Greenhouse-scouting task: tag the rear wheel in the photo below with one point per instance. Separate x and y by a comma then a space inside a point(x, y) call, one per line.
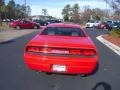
point(45, 24)
point(104, 27)
point(35, 27)
point(17, 27)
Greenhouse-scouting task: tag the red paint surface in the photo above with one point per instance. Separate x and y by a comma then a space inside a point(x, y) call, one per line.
point(24, 25)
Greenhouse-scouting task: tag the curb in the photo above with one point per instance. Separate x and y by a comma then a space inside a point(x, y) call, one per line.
point(110, 45)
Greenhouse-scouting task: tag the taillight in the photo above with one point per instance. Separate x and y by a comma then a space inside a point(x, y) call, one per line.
point(82, 52)
point(75, 52)
point(88, 52)
point(36, 49)
point(32, 49)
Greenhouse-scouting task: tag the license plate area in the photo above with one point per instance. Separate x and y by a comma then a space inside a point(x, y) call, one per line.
point(60, 52)
point(59, 68)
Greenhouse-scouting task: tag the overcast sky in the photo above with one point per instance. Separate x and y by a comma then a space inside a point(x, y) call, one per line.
point(55, 7)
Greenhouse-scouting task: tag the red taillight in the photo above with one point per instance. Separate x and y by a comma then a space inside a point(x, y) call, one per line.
point(46, 50)
point(83, 52)
point(88, 52)
point(75, 52)
point(32, 49)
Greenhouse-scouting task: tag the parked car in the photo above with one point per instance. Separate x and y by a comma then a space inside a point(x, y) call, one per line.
point(41, 22)
point(103, 25)
point(92, 23)
point(53, 21)
point(6, 20)
point(110, 22)
point(62, 48)
point(18, 24)
point(115, 25)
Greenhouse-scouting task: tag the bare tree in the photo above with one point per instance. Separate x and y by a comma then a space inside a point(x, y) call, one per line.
point(99, 14)
point(86, 14)
point(115, 4)
point(44, 12)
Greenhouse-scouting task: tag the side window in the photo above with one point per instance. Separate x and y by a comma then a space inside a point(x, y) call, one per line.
point(26, 22)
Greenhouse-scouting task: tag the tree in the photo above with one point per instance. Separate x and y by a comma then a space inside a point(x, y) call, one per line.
point(115, 4)
point(93, 14)
point(99, 14)
point(20, 11)
point(11, 7)
point(28, 10)
point(116, 8)
point(2, 2)
point(86, 14)
point(23, 11)
point(1, 9)
point(76, 13)
point(66, 12)
point(4, 12)
point(13, 10)
point(44, 12)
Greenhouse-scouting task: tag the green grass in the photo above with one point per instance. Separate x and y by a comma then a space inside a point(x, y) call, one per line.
point(115, 32)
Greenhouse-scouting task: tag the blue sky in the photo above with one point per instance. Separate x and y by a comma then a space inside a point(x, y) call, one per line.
point(55, 7)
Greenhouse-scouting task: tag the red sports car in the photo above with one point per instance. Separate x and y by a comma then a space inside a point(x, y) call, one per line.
point(62, 48)
point(18, 24)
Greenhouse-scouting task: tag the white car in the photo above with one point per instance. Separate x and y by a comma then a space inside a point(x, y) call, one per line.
point(91, 24)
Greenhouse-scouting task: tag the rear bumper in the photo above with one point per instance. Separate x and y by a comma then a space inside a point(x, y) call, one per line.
point(73, 65)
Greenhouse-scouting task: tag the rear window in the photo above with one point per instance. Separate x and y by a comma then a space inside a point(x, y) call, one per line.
point(63, 31)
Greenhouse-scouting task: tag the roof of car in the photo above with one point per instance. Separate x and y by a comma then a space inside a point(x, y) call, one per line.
point(64, 25)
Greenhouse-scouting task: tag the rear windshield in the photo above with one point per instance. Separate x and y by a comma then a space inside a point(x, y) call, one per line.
point(63, 31)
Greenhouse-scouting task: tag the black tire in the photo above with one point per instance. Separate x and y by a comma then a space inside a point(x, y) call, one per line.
point(104, 27)
point(35, 27)
point(45, 24)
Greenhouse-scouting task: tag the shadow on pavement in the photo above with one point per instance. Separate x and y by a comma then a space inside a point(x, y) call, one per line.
point(6, 42)
point(102, 86)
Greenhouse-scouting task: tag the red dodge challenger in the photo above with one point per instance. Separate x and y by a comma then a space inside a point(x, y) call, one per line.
point(62, 48)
